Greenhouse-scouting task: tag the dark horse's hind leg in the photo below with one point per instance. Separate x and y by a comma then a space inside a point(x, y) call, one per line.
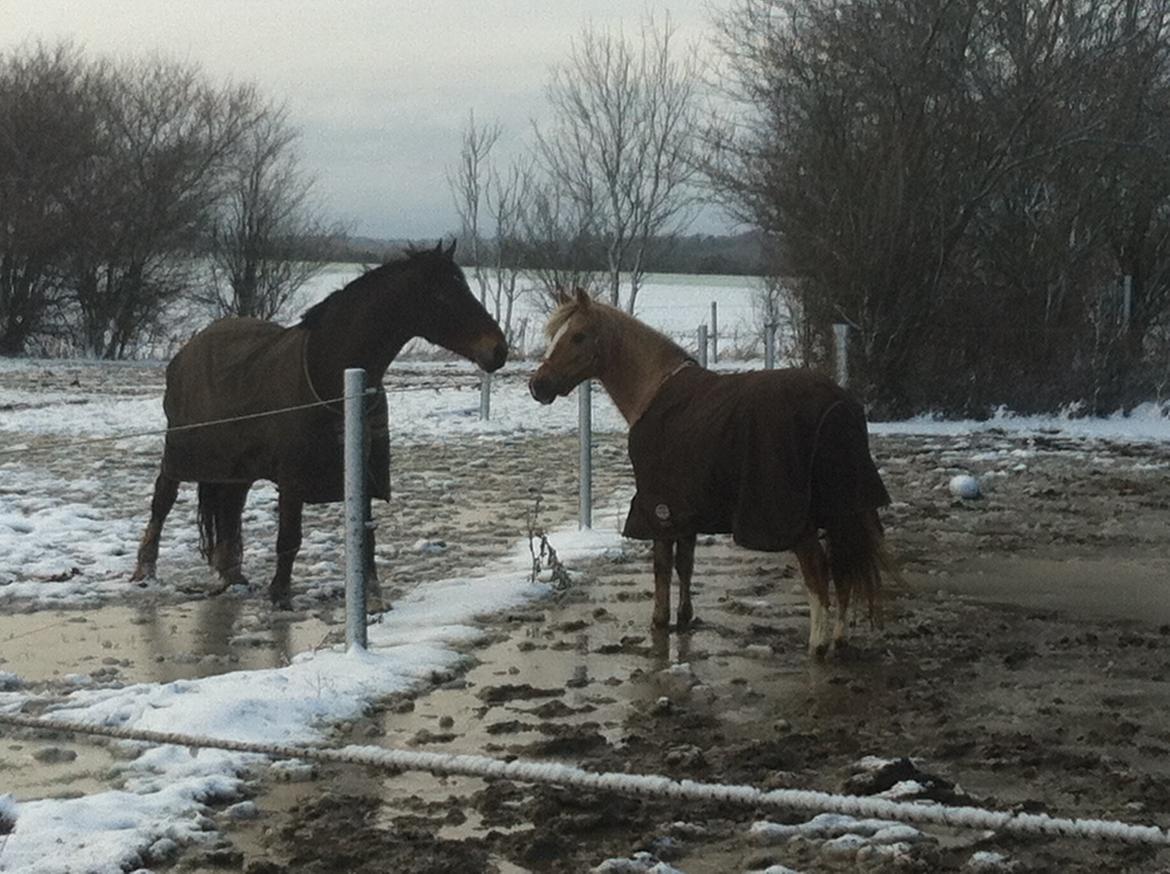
point(227, 550)
point(684, 563)
point(165, 492)
point(288, 543)
point(374, 602)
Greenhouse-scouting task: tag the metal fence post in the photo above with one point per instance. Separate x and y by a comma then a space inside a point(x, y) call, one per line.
point(714, 332)
point(841, 353)
point(585, 435)
point(355, 504)
point(485, 396)
point(702, 344)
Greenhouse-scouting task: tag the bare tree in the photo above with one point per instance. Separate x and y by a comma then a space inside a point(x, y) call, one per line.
point(492, 204)
point(888, 147)
point(468, 183)
point(139, 213)
point(267, 237)
point(620, 145)
point(48, 130)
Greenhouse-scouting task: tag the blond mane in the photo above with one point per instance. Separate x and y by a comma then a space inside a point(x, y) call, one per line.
point(613, 320)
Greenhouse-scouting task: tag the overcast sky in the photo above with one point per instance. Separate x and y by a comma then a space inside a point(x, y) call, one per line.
point(380, 90)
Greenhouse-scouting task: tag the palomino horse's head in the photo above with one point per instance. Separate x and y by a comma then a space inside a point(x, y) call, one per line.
point(450, 316)
point(575, 348)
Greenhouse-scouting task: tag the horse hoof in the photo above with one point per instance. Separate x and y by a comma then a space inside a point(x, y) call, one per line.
point(282, 602)
point(685, 620)
point(818, 651)
point(142, 573)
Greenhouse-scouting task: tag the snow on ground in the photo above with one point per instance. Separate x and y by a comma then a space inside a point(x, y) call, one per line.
point(165, 788)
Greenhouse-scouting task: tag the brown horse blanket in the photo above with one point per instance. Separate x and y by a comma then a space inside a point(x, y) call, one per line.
point(759, 455)
point(239, 367)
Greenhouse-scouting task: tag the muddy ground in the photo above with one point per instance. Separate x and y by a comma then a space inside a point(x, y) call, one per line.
point(1022, 667)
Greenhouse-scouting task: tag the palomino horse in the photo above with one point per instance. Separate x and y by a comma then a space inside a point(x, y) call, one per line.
point(772, 457)
point(268, 383)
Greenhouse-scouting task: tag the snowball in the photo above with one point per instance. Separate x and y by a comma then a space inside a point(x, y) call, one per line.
point(964, 486)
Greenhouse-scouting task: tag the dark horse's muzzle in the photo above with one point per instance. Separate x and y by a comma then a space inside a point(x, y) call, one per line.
point(489, 356)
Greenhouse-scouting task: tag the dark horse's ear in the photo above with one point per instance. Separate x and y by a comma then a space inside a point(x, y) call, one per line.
point(438, 250)
point(450, 252)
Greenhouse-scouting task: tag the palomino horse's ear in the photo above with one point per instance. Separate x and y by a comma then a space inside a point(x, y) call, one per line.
point(450, 251)
point(560, 296)
point(582, 297)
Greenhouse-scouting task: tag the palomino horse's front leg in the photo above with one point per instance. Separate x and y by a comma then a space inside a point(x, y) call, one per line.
point(663, 570)
point(165, 492)
point(288, 543)
point(684, 563)
point(814, 567)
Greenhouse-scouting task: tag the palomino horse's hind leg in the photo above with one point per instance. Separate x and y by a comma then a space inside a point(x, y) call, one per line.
point(684, 563)
point(227, 557)
point(165, 492)
point(814, 567)
point(663, 571)
point(288, 543)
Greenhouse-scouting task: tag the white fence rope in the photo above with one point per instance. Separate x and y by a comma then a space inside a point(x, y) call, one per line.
point(638, 785)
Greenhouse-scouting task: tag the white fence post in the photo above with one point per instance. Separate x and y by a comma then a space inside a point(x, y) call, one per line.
point(355, 504)
point(714, 332)
point(841, 353)
point(701, 342)
point(485, 396)
point(585, 435)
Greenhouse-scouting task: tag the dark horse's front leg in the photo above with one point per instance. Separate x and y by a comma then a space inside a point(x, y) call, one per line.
point(663, 570)
point(288, 542)
point(165, 492)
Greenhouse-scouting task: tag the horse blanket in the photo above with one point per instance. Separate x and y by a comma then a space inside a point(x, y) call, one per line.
point(759, 455)
point(241, 366)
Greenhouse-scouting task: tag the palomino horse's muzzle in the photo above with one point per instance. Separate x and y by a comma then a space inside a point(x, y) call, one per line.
point(542, 387)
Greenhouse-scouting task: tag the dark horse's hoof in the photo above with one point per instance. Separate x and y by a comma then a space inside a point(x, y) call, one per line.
point(282, 602)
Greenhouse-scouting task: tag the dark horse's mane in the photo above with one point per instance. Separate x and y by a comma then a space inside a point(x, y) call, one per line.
point(372, 277)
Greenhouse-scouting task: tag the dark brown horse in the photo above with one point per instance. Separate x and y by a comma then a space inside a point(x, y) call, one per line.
point(772, 457)
point(250, 368)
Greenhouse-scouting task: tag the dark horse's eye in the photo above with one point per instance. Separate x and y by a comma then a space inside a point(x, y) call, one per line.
point(579, 337)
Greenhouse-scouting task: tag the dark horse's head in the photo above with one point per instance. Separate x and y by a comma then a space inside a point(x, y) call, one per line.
point(423, 294)
point(449, 315)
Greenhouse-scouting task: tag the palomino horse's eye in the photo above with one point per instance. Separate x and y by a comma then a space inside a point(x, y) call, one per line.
point(579, 337)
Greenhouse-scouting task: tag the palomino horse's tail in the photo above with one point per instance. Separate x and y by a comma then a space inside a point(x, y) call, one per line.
point(857, 558)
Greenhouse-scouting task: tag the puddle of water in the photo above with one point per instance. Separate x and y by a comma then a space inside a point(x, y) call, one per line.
point(1112, 587)
point(55, 651)
point(152, 644)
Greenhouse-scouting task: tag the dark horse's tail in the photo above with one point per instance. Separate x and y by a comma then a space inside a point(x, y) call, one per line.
point(857, 558)
point(209, 504)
